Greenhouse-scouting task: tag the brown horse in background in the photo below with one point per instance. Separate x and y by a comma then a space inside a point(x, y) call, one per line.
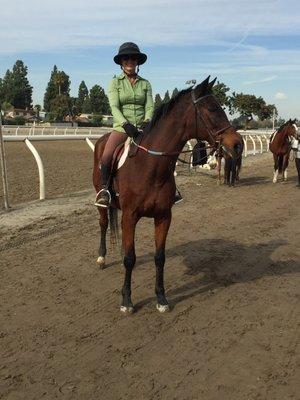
point(280, 147)
point(145, 185)
point(231, 146)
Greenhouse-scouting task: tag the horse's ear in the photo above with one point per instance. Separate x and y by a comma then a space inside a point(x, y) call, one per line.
point(211, 84)
point(201, 89)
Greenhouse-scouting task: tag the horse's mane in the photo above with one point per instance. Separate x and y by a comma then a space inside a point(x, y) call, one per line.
point(165, 108)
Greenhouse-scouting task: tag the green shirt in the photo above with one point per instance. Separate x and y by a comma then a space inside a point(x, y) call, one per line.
point(130, 103)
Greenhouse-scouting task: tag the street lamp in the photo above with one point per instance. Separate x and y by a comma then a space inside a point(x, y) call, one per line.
point(191, 82)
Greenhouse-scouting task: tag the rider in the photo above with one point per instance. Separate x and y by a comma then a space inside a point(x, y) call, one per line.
point(296, 147)
point(131, 103)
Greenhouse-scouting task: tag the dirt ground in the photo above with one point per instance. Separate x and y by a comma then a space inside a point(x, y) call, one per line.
point(232, 279)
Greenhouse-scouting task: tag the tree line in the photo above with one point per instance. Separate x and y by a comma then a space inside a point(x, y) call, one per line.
point(16, 91)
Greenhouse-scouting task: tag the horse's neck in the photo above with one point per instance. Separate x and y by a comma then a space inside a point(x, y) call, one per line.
point(167, 137)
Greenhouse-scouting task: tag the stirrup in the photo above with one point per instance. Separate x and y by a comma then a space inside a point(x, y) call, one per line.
point(178, 198)
point(106, 202)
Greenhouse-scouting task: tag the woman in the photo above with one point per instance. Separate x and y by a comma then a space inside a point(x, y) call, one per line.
point(296, 147)
point(130, 99)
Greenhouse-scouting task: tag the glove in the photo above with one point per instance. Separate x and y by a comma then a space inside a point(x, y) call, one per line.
point(130, 129)
point(145, 126)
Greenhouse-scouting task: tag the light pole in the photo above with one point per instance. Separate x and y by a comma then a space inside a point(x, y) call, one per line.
point(191, 82)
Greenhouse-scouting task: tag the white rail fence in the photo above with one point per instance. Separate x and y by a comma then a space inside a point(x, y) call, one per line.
point(255, 142)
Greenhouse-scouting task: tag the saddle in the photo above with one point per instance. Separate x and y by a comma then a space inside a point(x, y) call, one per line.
point(127, 149)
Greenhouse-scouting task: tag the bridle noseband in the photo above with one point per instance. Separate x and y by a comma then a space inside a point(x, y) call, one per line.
point(212, 134)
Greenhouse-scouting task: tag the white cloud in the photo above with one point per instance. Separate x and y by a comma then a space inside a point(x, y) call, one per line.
point(47, 25)
point(263, 80)
point(280, 96)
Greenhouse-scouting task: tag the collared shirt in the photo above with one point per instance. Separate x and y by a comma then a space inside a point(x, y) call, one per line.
point(296, 147)
point(130, 103)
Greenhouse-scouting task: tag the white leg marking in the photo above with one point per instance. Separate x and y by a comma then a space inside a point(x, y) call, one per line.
point(101, 261)
point(275, 176)
point(285, 175)
point(162, 309)
point(126, 310)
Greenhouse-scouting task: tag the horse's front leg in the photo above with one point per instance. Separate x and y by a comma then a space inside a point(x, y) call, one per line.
point(128, 231)
point(162, 225)
point(219, 165)
point(103, 222)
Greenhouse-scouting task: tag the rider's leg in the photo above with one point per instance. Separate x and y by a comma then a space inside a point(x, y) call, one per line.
point(115, 138)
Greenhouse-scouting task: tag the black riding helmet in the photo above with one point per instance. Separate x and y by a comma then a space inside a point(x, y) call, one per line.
point(130, 49)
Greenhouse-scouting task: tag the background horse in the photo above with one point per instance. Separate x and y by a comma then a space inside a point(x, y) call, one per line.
point(231, 146)
point(280, 147)
point(145, 184)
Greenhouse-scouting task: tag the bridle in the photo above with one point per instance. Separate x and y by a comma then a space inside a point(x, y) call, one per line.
point(212, 134)
point(215, 143)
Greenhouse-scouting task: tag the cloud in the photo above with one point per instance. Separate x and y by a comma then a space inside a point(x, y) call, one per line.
point(267, 79)
point(280, 96)
point(47, 25)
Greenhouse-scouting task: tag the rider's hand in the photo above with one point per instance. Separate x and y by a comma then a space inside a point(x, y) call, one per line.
point(145, 126)
point(130, 129)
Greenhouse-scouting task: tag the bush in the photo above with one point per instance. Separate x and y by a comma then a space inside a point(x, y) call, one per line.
point(15, 121)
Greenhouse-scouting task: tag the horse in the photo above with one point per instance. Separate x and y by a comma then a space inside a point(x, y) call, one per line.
point(280, 146)
point(145, 186)
point(231, 146)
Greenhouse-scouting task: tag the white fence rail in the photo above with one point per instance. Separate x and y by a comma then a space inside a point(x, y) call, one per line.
point(35, 130)
point(255, 142)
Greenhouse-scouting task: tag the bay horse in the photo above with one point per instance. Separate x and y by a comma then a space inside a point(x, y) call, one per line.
point(231, 146)
point(145, 183)
point(280, 146)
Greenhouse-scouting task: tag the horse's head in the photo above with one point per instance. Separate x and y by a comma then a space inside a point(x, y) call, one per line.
point(289, 128)
point(207, 118)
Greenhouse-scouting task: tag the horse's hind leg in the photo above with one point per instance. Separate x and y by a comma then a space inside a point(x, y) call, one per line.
point(128, 231)
point(162, 225)
point(103, 222)
point(285, 166)
point(275, 168)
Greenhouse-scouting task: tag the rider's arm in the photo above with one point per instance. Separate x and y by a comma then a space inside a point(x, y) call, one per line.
point(149, 106)
point(114, 102)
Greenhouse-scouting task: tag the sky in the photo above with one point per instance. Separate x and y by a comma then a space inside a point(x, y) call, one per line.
point(251, 46)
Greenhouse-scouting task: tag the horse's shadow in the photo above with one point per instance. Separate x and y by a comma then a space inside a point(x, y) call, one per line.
point(217, 263)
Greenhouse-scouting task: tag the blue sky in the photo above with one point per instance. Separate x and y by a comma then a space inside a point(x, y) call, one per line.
point(252, 46)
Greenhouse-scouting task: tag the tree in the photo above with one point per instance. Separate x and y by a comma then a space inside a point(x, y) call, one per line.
point(157, 101)
point(175, 93)
point(15, 88)
point(37, 108)
point(267, 111)
point(87, 106)
point(99, 101)
point(59, 83)
point(167, 97)
point(21, 89)
point(59, 108)
point(83, 93)
point(220, 92)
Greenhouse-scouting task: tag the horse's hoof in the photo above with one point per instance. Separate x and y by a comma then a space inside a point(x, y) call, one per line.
point(163, 308)
point(101, 262)
point(127, 310)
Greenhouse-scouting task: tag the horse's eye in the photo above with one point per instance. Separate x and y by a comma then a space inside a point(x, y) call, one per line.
point(213, 109)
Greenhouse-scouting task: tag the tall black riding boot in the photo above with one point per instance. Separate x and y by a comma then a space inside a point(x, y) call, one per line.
point(103, 197)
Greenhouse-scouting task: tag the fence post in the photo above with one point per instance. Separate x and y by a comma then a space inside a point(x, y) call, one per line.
point(40, 168)
point(3, 167)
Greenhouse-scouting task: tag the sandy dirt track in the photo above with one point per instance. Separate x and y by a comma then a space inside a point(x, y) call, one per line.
point(232, 279)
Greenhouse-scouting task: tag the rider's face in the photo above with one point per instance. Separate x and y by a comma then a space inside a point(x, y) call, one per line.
point(129, 64)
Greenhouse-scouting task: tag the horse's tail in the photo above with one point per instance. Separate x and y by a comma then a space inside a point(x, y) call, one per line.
point(280, 163)
point(114, 225)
